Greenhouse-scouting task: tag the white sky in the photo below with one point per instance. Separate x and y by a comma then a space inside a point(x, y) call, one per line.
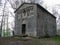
point(52, 2)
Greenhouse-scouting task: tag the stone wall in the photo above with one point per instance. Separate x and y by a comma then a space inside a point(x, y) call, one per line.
point(29, 20)
point(46, 23)
point(38, 21)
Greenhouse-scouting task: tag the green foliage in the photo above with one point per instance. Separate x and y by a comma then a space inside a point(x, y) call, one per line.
point(6, 33)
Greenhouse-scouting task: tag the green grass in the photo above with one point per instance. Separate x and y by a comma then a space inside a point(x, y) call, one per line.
point(57, 38)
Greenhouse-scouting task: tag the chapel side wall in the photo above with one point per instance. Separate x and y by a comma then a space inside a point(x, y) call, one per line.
point(46, 23)
point(51, 25)
point(40, 23)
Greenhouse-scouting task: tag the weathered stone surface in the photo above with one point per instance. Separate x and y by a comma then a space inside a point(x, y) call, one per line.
point(38, 21)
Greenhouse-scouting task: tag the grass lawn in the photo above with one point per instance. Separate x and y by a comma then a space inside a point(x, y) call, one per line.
point(57, 38)
point(30, 41)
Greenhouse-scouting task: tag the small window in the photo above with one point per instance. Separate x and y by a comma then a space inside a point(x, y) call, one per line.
point(31, 8)
point(28, 12)
point(31, 12)
point(24, 12)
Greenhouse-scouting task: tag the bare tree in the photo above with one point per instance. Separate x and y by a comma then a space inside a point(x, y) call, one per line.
point(32, 1)
point(0, 2)
point(3, 19)
point(41, 2)
point(17, 3)
point(14, 3)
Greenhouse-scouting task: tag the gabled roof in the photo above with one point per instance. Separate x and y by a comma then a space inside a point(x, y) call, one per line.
point(23, 4)
point(37, 5)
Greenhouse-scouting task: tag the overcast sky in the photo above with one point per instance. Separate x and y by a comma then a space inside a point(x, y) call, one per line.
point(52, 2)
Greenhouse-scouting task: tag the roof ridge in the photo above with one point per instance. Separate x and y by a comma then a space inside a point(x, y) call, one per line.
point(37, 5)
